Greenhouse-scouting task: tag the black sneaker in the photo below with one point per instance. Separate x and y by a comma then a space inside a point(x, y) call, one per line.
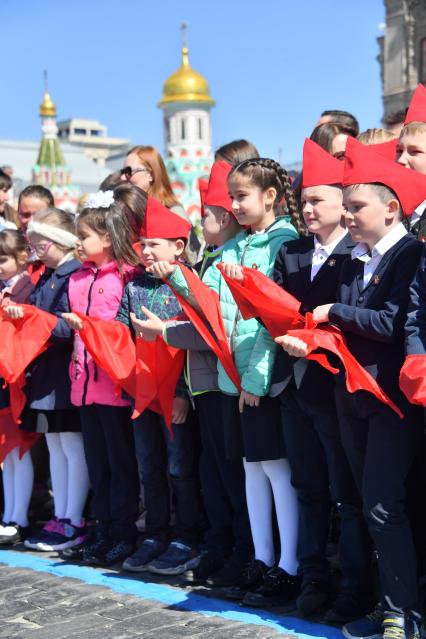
point(119, 551)
point(12, 533)
point(401, 626)
point(250, 579)
point(209, 564)
point(313, 598)
point(368, 627)
point(348, 606)
point(230, 574)
point(94, 553)
point(277, 588)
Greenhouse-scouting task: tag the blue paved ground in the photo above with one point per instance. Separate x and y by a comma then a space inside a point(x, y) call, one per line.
point(43, 597)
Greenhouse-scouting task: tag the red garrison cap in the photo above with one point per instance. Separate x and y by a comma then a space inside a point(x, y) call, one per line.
point(364, 166)
point(385, 149)
point(217, 191)
point(417, 109)
point(161, 222)
point(203, 184)
point(319, 166)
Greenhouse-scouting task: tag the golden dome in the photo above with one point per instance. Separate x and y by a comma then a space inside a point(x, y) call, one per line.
point(47, 107)
point(186, 85)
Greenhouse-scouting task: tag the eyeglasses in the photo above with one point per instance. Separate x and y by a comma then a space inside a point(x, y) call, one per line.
point(41, 248)
point(128, 171)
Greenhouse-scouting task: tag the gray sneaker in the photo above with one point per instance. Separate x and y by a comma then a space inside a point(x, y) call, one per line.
point(177, 558)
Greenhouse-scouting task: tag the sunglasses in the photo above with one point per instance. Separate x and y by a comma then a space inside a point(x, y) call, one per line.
point(128, 171)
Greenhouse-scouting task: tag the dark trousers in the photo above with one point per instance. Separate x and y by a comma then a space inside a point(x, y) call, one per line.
point(222, 483)
point(381, 449)
point(161, 458)
point(321, 476)
point(110, 454)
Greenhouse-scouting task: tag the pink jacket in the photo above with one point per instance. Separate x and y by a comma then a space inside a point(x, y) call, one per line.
point(96, 292)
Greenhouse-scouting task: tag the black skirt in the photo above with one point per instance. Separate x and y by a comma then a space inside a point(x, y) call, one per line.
point(256, 433)
point(51, 421)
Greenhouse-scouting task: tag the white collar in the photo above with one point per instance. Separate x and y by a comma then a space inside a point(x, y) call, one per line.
point(417, 213)
point(362, 252)
point(327, 248)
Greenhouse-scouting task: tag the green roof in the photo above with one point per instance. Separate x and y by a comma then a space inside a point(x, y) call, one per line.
point(50, 154)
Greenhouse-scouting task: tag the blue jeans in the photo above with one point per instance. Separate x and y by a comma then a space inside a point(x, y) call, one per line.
point(161, 459)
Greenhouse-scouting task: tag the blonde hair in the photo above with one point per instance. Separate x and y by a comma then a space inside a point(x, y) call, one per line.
point(414, 128)
point(376, 136)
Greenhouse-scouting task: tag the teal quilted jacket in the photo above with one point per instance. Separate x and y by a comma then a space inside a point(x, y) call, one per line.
point(252, 346)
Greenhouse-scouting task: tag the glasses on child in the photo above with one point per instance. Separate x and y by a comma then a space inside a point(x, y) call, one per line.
point(41, 248)
point(128, 171)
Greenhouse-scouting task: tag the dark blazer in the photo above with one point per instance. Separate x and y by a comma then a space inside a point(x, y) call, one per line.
point(292, 271)
point(415, 327)
point(373, 318)
point(48, 382)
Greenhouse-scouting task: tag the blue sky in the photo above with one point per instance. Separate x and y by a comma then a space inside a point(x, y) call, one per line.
point(272, 65)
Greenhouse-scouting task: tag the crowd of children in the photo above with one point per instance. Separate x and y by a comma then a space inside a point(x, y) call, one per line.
point(269, 462)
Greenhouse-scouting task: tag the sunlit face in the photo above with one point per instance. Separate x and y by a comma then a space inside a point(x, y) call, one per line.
point(367, 217)
point(28, 207)
point(8, 267)
point(411, 151)
point(91, 245)
point(159, 249)
point(212, 223)
point(249, 202)
point(338, 146)
point(4, 198)
point(322, 208)
point(47, 251)
point(141, 175)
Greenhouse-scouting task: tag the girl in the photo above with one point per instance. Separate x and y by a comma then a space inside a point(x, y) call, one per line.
point(18, 473)
point(49, 409)
point(104, 243)
point(251, 421)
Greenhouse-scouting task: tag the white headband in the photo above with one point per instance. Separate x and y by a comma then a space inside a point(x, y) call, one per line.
point(60, 236)
point(100, 200)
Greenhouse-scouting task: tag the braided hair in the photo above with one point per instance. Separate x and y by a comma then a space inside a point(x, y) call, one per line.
point(266, 173)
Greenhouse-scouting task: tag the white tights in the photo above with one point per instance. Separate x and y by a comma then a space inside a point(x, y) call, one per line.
point(68, 472)
point(18, 478)
point(264, 480)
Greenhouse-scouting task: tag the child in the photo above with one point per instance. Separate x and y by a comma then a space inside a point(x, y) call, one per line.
point(371, 312)
point(17, 473)
point(163, 237)
point(49, 409)
point(222, 480)
point(309, 269)
point(251, 421)
point(104, 243)
point(7, 214)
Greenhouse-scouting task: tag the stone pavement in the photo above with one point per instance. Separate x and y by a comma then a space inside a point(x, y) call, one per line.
point(42, 597)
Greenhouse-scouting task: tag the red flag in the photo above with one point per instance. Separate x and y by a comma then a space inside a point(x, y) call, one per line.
point(21, 341)
point(215, 336)
point(261, 297)
point(412, 379)
point(12, 436)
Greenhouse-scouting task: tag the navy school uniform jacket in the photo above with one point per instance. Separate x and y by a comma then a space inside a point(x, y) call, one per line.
point(292, 271)
point(48, 381)
point(372, 318)
point(415, 328)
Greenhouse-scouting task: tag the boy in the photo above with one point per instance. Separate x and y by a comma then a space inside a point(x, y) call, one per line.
point(371, 312)
point(309, 269)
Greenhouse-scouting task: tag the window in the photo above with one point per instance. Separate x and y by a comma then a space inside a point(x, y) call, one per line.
point(80, 132)
point(182, 130)
point(422, 65)
point(95, 132)
point(200, 128)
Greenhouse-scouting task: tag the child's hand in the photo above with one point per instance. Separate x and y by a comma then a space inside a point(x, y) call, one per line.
point(320, 313)
point(150, 328)
point(14, 312)
point(162, 269)
point(293, 345)
point(73, 321)
point(234, 271)
point(247, 399)
point(180, 410)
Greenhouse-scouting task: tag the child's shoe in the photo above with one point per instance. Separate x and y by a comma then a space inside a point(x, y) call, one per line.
point(314, 598)
point(230, 573)
point(348, 606)
point(177, 558)
point(72, 535)
point(209, 563)
point(401, 626)
point(277, 588)
point(52, 526)
point(250, 579)
point(94, 552)
point(149, 550)
point(12, 533)
point(119, 551)
point(368, 627)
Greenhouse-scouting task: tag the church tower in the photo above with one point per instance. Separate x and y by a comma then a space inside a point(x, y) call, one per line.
point(186, 105)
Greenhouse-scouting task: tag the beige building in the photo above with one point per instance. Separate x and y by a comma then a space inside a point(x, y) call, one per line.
point(92, 137)
point(402, 55)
